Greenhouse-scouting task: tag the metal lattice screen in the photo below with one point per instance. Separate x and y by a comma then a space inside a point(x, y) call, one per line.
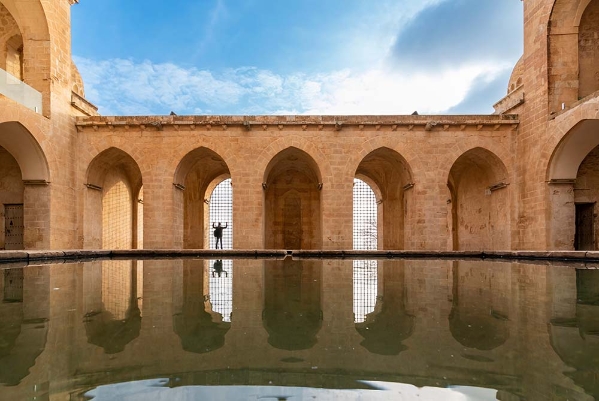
point(221, 287)
point(221, 211)
point(365, 238)
point(221, 271)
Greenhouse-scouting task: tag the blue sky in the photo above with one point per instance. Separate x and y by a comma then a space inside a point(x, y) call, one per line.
point(296, 57)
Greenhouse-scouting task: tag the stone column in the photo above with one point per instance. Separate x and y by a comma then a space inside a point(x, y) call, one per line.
point(36, 215)
point(561, 215)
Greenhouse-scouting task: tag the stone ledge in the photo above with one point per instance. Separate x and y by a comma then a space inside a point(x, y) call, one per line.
point(66, 256)
point(258, 123)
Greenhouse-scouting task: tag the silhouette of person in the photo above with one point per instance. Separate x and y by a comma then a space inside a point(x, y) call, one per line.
point(218, 234)
point(218, 269)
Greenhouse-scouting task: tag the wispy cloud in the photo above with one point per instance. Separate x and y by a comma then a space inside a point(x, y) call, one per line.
point(398, 59)
point(126, 87)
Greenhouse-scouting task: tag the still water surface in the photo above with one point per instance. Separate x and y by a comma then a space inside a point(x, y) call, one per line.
point(293, 330)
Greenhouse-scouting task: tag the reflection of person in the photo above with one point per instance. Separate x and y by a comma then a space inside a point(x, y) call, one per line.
point(218, 234)
point(218, 269)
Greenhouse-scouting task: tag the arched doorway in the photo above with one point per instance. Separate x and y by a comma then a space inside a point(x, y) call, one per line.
point(292, 202)
point(24, 190)
point(113, 208)
point(573, 190)
point(478, 183)
point(199, 173)
point(389, 176)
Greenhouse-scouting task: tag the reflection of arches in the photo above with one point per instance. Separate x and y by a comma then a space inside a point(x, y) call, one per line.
point(112, 295)
point(23, 320)
point(112, 207)
point(199, 170)
point(292, 201)
point(25, 175)
point(389, 325)
point(575, 339)
point(479, 315)
point(571, 169)
point(391, 175)
point(200, 329)
point(292, 313)
point(480, 202)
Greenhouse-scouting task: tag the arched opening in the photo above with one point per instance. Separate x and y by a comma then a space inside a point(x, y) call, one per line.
point(113, 293)
point(573, 190)
point(220, 212)
point(25, 53)
point(366, 237)
point(292, 202)
point(478, 184)
point(197, 175)
point(113, 211)
point(14, 56)
point(24, 190)
point(573, 45)
point(388, 173)
point(387, 324)
point(588, 50)
point(203, 308)
point(11, 202)
point(480, 313)
point(24, 313)
point(292, 313)
point(11, 45)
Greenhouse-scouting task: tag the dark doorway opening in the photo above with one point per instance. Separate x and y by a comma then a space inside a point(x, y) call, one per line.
point(584, 239)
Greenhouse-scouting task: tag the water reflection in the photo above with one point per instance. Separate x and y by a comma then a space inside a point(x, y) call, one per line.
point(526, 332)
point(113, 315)
point(292, 312)
point(479, 314)
point(575, 336)
point(389, 324)
point(201, 328)
point(23, 320)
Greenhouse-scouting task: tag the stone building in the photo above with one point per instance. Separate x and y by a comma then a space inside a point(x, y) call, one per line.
point(526, 177)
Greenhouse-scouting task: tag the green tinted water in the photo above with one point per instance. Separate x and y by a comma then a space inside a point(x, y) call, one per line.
point(326, 330)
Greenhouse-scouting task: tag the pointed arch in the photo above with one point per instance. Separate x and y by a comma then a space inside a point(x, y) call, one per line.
point(480, 199)
point(392, 177)
point(292, 201)
point(196, 175)
point(111, 210)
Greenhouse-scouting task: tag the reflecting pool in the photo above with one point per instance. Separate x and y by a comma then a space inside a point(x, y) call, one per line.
point(292, 329)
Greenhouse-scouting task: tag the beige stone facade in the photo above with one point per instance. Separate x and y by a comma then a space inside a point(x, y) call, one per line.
point(523, 178)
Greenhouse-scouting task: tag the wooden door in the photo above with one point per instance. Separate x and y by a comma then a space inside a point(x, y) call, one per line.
point(13, 227)
point(584, 239)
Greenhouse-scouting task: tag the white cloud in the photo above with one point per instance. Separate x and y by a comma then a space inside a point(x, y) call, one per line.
point(126, 87)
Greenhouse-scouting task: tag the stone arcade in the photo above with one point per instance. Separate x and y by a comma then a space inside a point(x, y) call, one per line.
point(526, 177)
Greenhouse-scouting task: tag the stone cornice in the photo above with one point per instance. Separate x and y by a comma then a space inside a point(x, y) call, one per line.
point(305, 123)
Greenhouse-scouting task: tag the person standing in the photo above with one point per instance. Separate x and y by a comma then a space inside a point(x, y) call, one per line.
point(218, 234)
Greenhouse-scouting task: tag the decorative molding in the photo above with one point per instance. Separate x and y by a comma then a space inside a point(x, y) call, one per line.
point(93, 187)
point(35, 182)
